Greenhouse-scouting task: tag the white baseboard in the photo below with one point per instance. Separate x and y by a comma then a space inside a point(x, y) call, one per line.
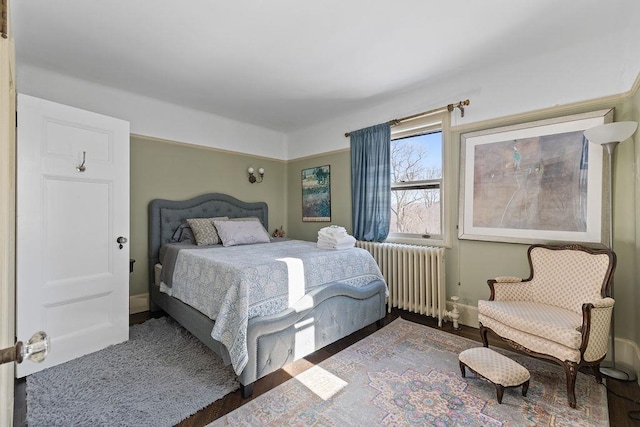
point(627, 351)
point(138, 303)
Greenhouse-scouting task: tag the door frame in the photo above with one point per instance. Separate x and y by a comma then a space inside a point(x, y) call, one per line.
point(7, 217)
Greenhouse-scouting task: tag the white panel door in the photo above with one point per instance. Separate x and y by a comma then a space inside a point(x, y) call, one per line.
point(72, 278)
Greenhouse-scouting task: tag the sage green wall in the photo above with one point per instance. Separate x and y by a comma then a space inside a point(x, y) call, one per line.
point(477, 261)
point(340, 162)
point(470, 263)
point(168, 170)
point(161, 169)
point(632, 112)
point(626, 241)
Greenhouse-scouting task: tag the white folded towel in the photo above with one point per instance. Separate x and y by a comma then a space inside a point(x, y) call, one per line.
point(335, 247)
point(344, 242)
point(347, 239)
point(333, 231)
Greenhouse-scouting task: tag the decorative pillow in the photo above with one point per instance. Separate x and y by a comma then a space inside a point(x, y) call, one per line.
point(241, 232)
point(204, 231)
point(183, 234)
point(246, 218)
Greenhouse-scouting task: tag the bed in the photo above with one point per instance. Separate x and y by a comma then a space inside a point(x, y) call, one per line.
point(263, 337)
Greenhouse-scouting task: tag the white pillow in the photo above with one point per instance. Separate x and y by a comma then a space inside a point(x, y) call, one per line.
point(241, 232)
point(244, 218)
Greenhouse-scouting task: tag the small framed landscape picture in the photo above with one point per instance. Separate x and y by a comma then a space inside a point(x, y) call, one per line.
point(316, 194)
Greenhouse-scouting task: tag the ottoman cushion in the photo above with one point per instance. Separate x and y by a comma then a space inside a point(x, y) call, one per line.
point(495, 367)
point(500, 370)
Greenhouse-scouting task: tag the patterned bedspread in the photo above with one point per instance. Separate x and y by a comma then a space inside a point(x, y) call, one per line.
point(234, 284)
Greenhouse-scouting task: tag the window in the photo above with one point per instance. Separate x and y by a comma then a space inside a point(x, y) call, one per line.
point(417, 175)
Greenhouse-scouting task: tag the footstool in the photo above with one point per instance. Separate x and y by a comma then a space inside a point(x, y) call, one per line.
point(500, 370)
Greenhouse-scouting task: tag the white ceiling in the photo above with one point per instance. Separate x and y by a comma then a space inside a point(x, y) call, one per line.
point(288, 64)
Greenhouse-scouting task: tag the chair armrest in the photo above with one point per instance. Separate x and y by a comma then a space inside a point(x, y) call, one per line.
point(596, 321)
point(508, 279)
point(509, 289)
point(603, 303)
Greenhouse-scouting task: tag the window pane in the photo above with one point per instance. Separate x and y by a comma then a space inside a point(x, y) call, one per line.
point(416, 176)
point(416, 158)
point(415, 211)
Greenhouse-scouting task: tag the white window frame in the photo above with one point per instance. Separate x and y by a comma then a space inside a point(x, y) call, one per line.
point(420, 126)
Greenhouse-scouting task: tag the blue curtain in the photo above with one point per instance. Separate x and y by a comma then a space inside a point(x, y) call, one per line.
point(371, 182)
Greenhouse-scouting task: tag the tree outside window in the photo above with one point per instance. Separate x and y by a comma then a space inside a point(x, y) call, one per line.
point(416, 176)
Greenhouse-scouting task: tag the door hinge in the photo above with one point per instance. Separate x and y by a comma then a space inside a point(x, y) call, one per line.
point(4, 19)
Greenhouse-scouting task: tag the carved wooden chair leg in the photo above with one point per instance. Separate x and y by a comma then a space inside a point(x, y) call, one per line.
point(483, 335)
point(596, 372)
point(499, 392)
point(572, 372)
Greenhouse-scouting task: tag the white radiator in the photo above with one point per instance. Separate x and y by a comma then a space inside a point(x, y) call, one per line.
point(414, 275)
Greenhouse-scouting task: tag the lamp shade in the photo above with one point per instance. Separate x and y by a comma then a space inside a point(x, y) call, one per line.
point(611, 132)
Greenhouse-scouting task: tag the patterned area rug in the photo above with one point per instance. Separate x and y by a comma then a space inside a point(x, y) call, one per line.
point(408, 374)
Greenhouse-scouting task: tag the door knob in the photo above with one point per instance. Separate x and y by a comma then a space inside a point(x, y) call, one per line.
point(121, 241)
point(36, 349)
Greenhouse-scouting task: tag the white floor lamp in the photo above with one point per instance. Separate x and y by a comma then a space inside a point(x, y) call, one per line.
point(609, 136)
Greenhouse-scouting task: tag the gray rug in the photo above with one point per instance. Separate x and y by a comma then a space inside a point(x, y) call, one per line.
point(159, 377)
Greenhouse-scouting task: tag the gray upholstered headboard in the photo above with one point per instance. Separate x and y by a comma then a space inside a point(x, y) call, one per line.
point(165, 216)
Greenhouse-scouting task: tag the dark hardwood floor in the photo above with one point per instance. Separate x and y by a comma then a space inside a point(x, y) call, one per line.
point(623, 397)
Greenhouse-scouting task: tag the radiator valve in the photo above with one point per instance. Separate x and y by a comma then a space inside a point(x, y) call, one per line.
point(455, 313)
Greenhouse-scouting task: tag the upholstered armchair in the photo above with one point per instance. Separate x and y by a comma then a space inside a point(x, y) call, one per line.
point(562, 312)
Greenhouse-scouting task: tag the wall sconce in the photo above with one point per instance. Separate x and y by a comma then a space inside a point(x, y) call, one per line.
point(252, 177)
